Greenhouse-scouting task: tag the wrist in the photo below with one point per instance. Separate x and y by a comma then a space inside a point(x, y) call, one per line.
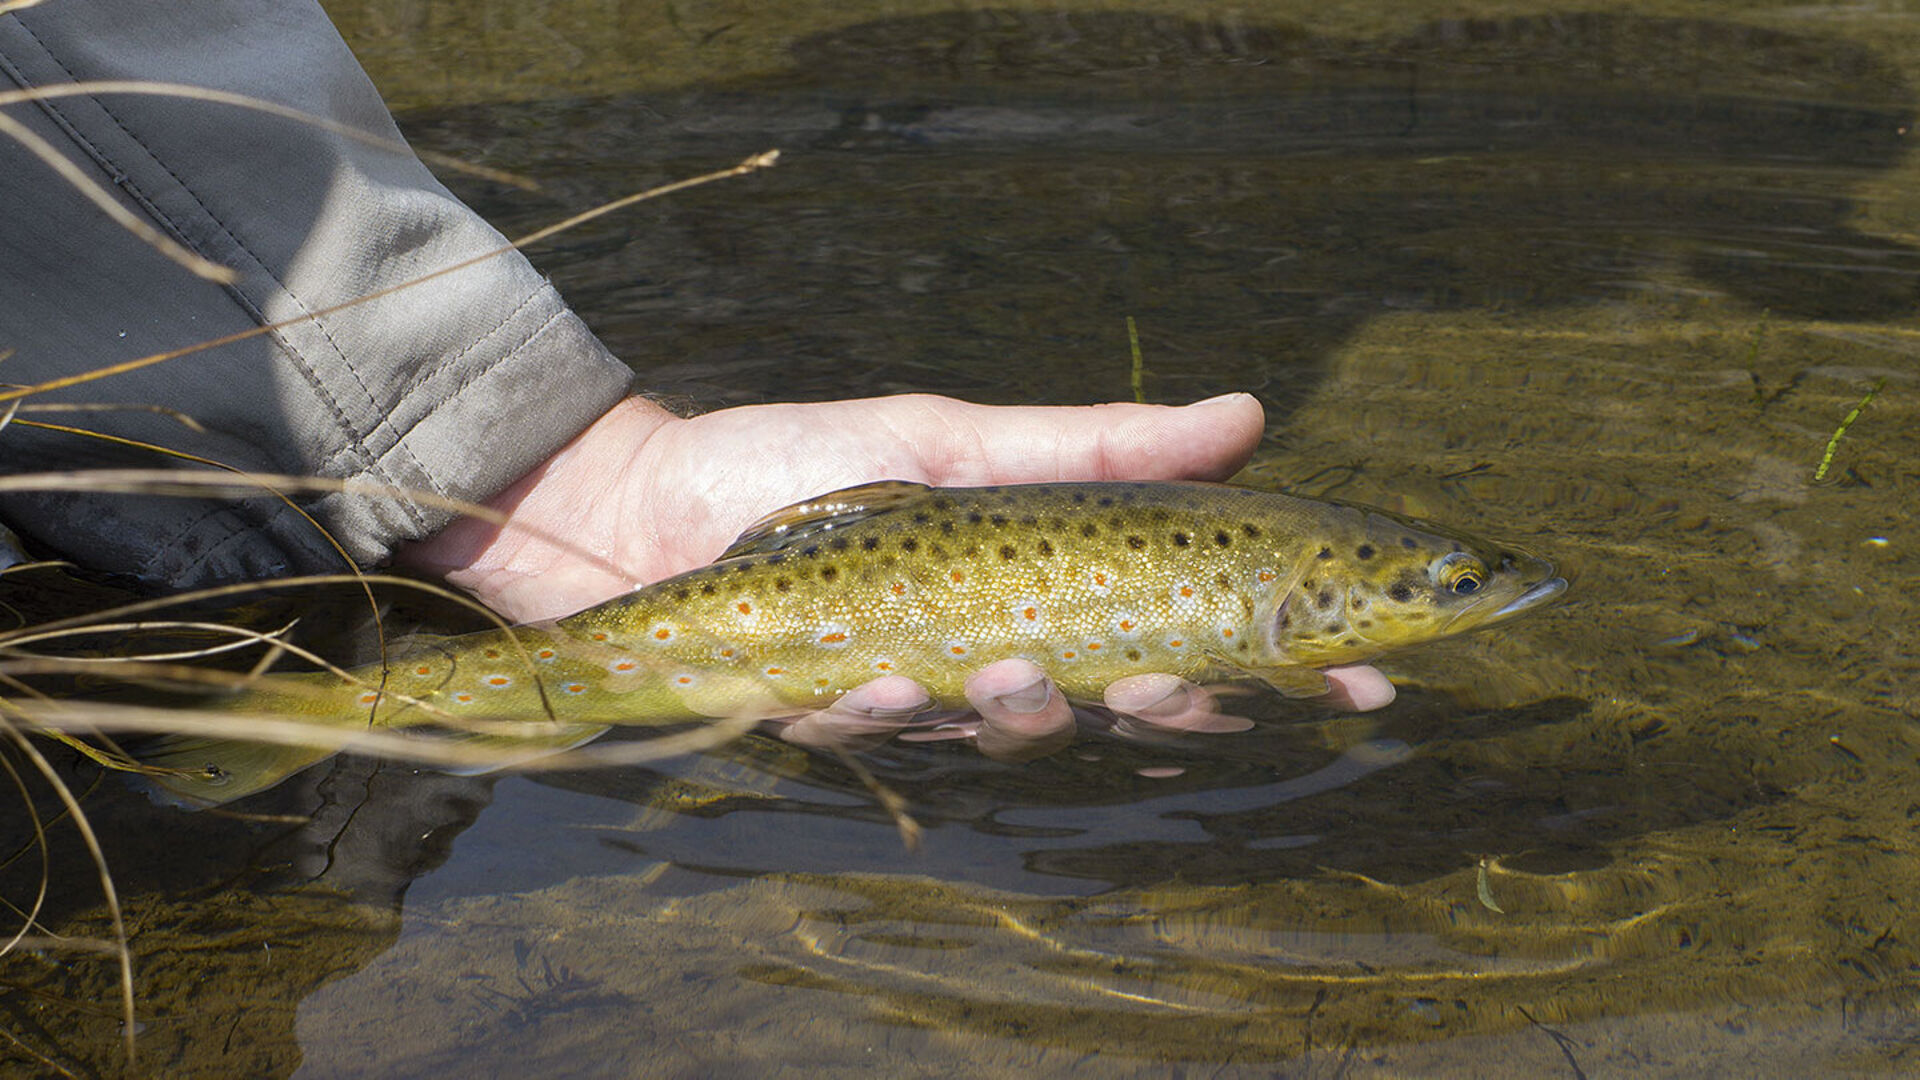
point(561, 546)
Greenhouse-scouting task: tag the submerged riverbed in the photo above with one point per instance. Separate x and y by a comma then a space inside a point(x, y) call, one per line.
point(1602, 285)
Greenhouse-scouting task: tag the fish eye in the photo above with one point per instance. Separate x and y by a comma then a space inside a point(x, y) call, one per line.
point(1458, 573)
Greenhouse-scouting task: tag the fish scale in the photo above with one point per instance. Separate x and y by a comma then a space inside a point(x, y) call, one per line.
point(1092, 582)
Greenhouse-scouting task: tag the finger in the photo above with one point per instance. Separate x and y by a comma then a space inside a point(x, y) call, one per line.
point(1022, 715)
point(1358, 688)
point(964, 444)
point(863, 718)
point(1167, 703)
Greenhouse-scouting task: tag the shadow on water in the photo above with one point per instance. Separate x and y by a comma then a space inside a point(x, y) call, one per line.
point(1613, 813)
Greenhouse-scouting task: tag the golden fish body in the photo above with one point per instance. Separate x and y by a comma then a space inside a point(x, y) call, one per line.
point(1089, 581)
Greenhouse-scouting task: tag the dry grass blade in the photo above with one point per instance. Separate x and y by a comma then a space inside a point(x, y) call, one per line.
point(175, 415)
point(752, 164)
point(122, 954)
point(96, 716)
point(243, 638)
point(30, 917)
point(108, 205)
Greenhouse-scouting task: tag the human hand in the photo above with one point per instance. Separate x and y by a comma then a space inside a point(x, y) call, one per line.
point(643, 495)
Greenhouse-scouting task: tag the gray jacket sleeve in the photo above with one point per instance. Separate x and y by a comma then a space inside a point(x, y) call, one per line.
point(456, 387)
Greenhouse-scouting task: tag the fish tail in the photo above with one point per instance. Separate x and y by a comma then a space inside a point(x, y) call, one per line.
point(203, 771)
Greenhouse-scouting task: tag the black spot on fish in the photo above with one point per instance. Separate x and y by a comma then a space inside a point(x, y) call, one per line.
point(1457, 547)
point(1079, 496)
point(1181, 539)
point(1364, 623)
point(1348, 641)
point(1222, 539)
point(922, 518)
point(1133, 654)
point(997, 520)
point(1324, 600)
point(887, 560)
point(1310, 584)
point(1325, 553)
point(1089, 529)
point(1045, 549)
point(682, 594)
point(1364, 551)
point(946, 528)
point(1223, 581)
point(870, 543)
point(1400, 592)
point(1409, 542)
point(973, 551)
point(937, 551)
point(1009, 498)
point(909, 544)
point(1056, 524)
point(1250, 528)
point(828, 573)
point(1106, 500)
point(707, 589)
point(1243, 646)
point(1008, 551)
point(1159, 514)
point(782, 584)
point(743, 566)
point(976, 517)
point(1029, 520)
point(943, 503)
point(1136, 542)
point(810, 551)
point(1359, 604)
point(839, 543)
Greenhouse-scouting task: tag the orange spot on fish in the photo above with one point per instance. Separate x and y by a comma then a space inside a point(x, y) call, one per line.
point(957, 650)
point(1176, 643)
point(1093, 646)
point(575, 688)
point(662, 634)
point(423, 670)
point(1099, 579)
point(1126, 624)
point(1032, 614)
point(744, 608)
point(833, 638)
point(1265, 575)
point(499, 680)
point(958, 577)
point(726, 654)
point(776, 671)
point(492, 654)
point(622, 666)
point(883, 665)
point(599, 635)
point(899, 589)
point(1069, 655)
point(1186, 590)
point(684, 680)
point(463, 697)
point(1227, 632)
point(823, 683)
point(545, 654)
point(369, 698)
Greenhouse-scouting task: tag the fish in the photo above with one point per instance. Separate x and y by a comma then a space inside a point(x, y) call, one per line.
point(1091, 581)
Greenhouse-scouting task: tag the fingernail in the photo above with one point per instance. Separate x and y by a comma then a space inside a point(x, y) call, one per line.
point(1217, 399)
point(1030, 698)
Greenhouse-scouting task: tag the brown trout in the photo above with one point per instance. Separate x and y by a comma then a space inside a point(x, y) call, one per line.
point(1090, 581)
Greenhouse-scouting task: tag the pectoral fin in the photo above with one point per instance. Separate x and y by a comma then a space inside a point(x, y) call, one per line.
point(835, 510)
point(1295, 682)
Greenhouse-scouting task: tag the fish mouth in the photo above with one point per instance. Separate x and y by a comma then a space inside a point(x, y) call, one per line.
point(1540, 593)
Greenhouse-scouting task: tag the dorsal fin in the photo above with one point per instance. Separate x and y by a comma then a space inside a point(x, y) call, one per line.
point(824, 513)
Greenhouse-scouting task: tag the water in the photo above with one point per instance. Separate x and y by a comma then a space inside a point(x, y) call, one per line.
point(1602, 285)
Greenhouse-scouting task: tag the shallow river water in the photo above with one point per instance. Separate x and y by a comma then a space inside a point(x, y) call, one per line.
point(1602, 285)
